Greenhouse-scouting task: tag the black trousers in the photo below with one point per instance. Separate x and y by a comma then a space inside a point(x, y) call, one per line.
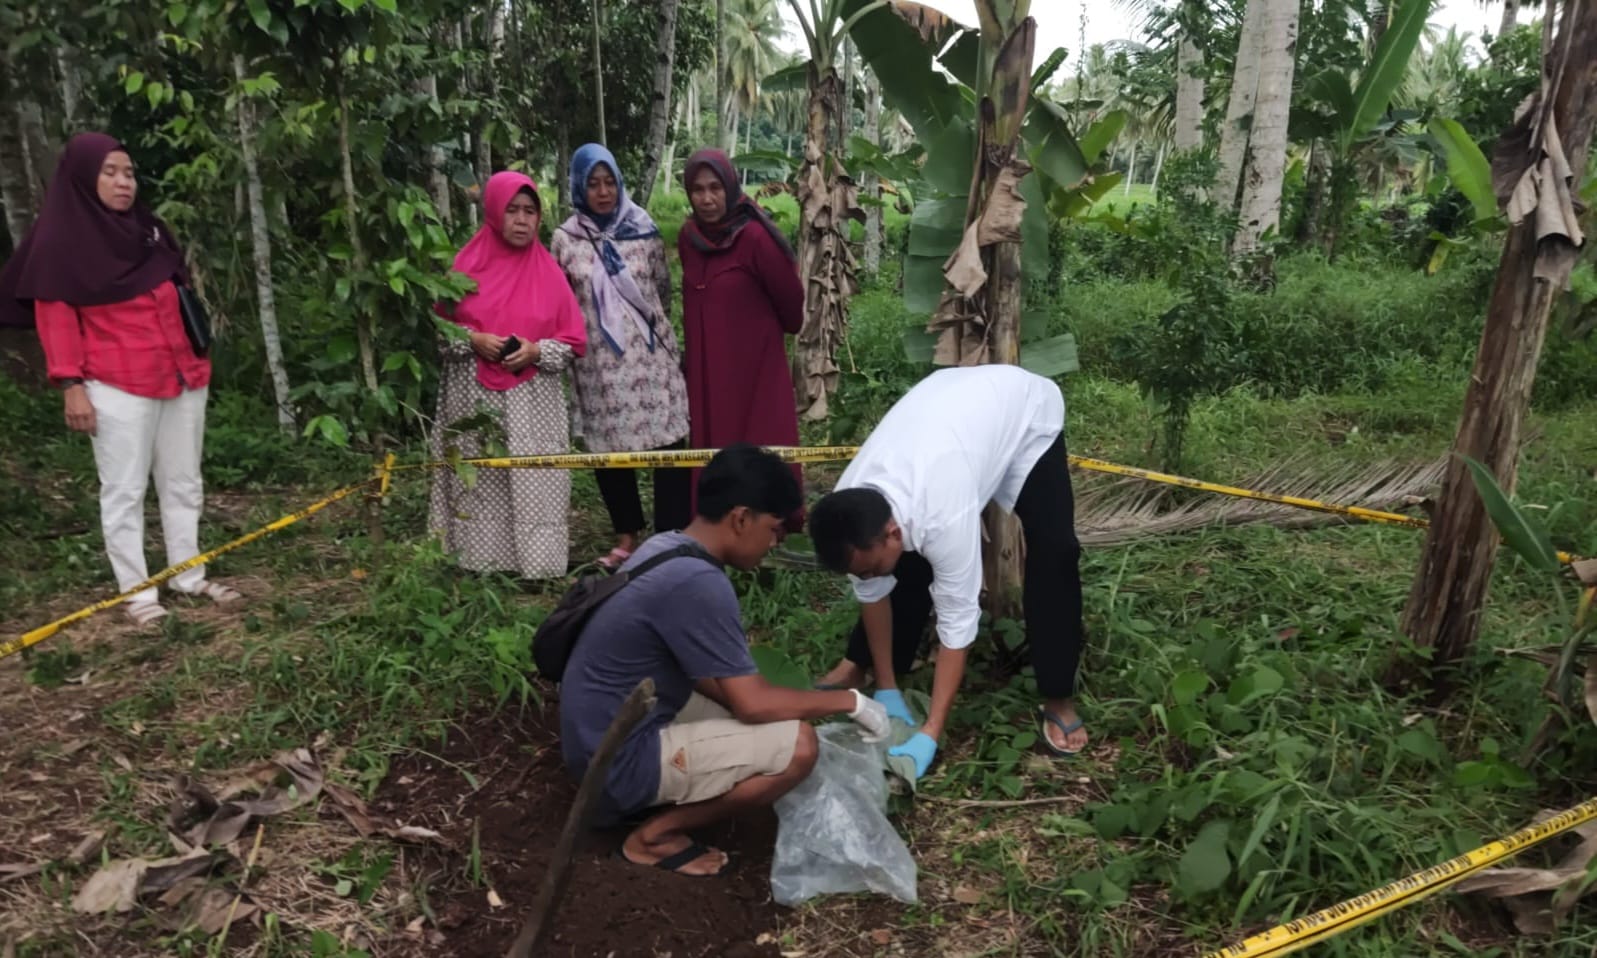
point(672, 498)
point(1051, 595)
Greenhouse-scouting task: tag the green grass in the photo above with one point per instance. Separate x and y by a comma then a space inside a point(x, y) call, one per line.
point(1120, 200)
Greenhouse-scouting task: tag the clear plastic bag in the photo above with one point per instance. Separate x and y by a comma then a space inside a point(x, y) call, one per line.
point(833, 835)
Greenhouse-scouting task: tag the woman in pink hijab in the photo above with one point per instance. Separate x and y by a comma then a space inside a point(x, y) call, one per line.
point(523, 329)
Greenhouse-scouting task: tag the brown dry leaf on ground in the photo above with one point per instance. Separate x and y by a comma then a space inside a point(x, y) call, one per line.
point(225, 817)
point(1540, 897)
point(113, 888)
point(118, 885)
point(967, 895)
point(367, 823)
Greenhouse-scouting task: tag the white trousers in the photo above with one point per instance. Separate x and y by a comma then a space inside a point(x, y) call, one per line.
point(135, 437)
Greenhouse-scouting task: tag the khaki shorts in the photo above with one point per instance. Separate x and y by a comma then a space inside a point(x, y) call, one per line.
point(705, 752)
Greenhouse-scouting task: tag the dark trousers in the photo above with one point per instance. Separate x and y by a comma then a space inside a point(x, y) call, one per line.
point(672, 496)
point(1051, 594)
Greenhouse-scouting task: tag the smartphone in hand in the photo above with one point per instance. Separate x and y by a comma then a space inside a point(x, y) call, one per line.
point(511, 345)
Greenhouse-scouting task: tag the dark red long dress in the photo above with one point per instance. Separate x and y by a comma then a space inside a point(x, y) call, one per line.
point(737, 306)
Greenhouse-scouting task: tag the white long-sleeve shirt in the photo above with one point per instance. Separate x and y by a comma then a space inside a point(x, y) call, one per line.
point(959, 439)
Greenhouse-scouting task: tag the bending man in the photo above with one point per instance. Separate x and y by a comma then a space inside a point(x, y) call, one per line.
point(905, 524)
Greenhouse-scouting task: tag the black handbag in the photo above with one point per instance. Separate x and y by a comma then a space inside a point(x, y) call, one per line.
point(195, 322)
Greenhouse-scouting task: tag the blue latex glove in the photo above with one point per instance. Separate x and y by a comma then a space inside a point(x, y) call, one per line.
point(922, 748)
point(897, 708)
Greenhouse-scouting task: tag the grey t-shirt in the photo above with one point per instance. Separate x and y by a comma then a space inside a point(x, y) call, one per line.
point(677, 624)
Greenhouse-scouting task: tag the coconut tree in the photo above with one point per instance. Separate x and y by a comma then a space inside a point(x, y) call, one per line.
point(1182, 27)
point(752, 29)
point(1431, 84)
point(1143, 92)
point(1253, 141)
point(660, 106)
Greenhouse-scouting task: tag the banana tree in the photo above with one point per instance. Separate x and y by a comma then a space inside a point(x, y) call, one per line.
point(976, 106)
point(1344, 113)
point(828, 200)
point(970, 93)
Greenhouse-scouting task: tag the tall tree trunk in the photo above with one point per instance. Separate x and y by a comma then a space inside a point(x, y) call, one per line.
point(1378, 24)
point(261, 242)
point(27, 150)
point(684, 112)
point(1239, 111)
point(978, 319)
point(1510, 17)
point(1315, 186)
point(562, 163)
point(1260, 209)
point(873, 182)
point(1158, 166)
point(1189, 96)
point(66, 61)
point(1131, 167)
point(437, 176)
point(827, 203)
point(493, 40)
point(598, 71)
point(16, 189)
point(660, 104)
point(15, 195)
point(1003, 554)
point(364, 323)
point(668, 157)
point(1444, 604)
point(844, 115)
point(721, 105)
point(38, 150)
point(695, 114)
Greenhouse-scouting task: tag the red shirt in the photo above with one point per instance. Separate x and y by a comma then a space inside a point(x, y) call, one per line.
point(137, 345)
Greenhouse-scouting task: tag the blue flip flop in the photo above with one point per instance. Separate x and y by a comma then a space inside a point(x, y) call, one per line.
point(1043, 715)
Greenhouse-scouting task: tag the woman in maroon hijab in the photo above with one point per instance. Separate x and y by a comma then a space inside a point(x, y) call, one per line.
point(741, 295)
point(96, 274)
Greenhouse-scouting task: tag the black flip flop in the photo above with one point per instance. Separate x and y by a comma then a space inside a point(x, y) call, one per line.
point(1046, 718)
point(674, 863)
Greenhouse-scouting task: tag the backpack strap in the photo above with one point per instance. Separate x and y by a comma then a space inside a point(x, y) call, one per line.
point(675, 552)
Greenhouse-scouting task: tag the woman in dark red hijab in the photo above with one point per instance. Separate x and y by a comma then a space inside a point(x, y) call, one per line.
point(741, 295)
point(97, 276)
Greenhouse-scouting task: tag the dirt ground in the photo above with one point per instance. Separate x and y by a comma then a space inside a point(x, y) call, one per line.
point(613, 907)
point(495, 784)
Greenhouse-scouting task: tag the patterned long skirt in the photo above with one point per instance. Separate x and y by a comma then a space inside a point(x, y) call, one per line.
point(510, 520)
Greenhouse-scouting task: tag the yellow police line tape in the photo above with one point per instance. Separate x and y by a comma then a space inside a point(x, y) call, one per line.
point(1302, 932)
point(383, 474)
point(1313, 505)
point(38, 635)
point(698, 457)
point(654, 459)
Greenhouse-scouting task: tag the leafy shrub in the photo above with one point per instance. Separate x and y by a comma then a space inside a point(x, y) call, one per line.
point(875, 369)
point(1325, 327)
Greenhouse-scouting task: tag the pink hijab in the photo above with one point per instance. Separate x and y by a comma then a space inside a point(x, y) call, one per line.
point(520, 292)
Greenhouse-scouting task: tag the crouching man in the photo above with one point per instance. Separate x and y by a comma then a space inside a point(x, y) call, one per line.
point(720, 739)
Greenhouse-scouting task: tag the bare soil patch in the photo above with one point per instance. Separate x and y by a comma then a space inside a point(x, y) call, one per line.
point(613, 908)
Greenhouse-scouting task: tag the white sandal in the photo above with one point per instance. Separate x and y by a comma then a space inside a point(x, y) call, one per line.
point(144, 613)
point(217, 592)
